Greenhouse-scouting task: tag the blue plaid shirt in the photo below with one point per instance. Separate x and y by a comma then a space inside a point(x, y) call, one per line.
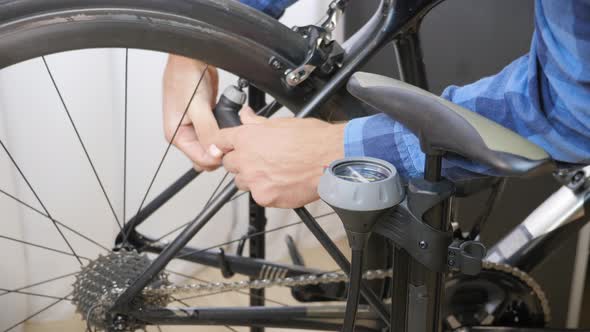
point(543, 95)
point(274, 8)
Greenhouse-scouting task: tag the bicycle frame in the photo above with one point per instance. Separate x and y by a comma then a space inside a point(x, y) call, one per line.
point(394, 21)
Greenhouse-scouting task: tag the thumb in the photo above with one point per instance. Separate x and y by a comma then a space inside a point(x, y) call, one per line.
point(247, 116)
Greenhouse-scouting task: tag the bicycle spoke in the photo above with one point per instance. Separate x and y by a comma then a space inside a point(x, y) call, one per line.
point(40, 283)
point(22, 174)
point(220, 292)
point(206, 204)
point(33, 294)
point(269, 109)
point(125, 145)
point(172, 139)
point(106, 196)
point(216, 189)
point(54, 220)
point(41, 247)
point(38, 312)
point(252, 235)
point(238, 196)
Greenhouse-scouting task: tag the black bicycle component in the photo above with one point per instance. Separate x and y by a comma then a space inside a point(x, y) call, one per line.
point(405, 226)
point(313, 293)
point(423, 195)
point(466, 257)
point(323, 57)
point(123, 238)
point(574, 178)
point(424, 243)
point(224, 265)
point(492, 202)
point(229, 105)
point(417, 303)
point(322, 318)
point(169, 253)
point(324, 54)
point(320, 293)
point(242, 243)
point(238, 264)
point(490, 298)
point(341, 260)
point(353, 297)
point(257, 216)
point(294, 253)
point(474, 185)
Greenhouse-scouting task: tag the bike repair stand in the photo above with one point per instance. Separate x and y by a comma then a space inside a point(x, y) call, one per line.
point(424, 249)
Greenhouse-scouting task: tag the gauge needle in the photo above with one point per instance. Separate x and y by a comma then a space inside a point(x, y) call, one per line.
point(358, 175)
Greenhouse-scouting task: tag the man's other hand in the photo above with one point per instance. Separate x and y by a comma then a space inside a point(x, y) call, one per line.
point(280, 161)
point(199, 125)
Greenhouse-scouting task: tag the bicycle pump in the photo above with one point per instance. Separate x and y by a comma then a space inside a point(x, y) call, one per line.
point(360, 190)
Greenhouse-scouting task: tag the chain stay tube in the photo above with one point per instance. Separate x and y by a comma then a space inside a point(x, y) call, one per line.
point(257, 268)
point(326, 318)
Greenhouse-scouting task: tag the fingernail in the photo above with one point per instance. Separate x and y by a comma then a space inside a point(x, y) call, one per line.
point(214, 151)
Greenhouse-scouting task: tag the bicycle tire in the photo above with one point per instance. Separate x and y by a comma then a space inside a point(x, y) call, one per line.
point(237, 38)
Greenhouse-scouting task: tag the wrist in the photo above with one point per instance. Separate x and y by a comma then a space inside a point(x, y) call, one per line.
point(333, 141)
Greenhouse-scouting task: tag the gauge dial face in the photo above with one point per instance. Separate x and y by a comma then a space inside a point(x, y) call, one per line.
point(361, 172)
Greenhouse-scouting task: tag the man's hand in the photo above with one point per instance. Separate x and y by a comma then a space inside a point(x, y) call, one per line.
point(280, 161)
point(199, 124)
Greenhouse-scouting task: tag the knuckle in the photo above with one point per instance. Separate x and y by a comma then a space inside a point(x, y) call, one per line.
point(265, 195)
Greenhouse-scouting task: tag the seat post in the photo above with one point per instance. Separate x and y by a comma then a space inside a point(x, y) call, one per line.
point(417, 292)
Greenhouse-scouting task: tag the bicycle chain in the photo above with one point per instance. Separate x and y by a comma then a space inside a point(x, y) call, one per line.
point(528, 280)
point(332, 277)
point(105, 279)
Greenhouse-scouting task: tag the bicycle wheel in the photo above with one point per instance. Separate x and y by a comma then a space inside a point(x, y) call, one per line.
point(223, 33)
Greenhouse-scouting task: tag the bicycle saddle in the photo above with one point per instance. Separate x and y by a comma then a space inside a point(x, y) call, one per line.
point(444, 127)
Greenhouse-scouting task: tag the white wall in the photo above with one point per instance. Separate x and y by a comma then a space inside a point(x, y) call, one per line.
point(35, 128)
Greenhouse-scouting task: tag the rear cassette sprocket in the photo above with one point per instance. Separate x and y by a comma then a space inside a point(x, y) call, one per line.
point(99, 283)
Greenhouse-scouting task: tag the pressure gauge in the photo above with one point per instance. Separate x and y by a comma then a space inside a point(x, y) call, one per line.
point(361, 184)
point(361, 171)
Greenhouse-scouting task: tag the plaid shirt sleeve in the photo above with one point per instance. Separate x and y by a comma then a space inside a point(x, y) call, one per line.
point(544, 96)
point(274, 8)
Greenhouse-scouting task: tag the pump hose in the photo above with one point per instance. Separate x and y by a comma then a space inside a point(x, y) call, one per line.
point(356, 273)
